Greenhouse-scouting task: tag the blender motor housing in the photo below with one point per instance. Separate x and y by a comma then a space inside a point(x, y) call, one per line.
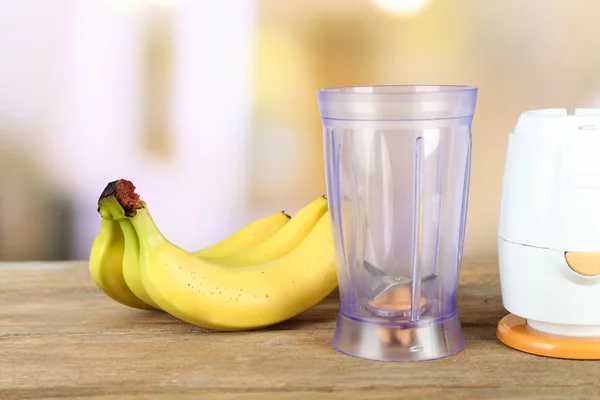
point(549, 234)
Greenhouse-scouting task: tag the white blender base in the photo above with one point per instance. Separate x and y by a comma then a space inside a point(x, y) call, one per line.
point(566, 330)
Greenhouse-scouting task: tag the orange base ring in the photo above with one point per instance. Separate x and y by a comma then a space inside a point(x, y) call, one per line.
point(514, 332)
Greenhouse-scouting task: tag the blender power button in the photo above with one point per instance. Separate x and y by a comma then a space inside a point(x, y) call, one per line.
point(584, 263)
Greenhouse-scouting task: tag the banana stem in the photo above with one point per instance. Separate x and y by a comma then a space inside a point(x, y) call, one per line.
point(123, 191)
point(119, 201)
point(147, 231)
point(128, 230)
point(109, 208)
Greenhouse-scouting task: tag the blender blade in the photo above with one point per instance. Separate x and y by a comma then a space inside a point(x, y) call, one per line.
point(393, 288)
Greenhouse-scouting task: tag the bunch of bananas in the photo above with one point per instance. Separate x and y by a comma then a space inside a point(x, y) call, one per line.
point(269, 271)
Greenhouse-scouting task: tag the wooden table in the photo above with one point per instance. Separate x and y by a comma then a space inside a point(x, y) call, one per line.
point(60, 338)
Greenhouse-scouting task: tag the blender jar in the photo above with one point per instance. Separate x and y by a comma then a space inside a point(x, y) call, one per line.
point(397, 171)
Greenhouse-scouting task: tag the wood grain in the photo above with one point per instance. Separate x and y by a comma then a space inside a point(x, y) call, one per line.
point(61, 338)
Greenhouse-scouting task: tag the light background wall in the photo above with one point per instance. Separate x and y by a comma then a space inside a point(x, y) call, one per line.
point(210, 107)
point(521, 54)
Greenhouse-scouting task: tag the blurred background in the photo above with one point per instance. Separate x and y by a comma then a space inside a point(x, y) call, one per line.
point(215, 101)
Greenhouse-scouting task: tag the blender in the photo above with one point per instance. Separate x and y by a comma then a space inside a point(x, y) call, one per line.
point(549, 235)
point(397, 172)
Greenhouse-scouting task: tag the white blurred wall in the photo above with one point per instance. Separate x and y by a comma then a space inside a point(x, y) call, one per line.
point(71, 72)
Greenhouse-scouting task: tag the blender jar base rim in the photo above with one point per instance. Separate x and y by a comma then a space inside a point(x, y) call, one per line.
point(387, 343)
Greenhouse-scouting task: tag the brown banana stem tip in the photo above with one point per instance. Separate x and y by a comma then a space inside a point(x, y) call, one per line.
point(124, 191)
point(286, 214)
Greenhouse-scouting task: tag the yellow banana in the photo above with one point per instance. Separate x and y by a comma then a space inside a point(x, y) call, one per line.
point(283, 241)
point(131, 265)
point(106, 259)
point(131, 271)
point(256, 232)
point(229, 298)
point(247, 237)
point(124, 253)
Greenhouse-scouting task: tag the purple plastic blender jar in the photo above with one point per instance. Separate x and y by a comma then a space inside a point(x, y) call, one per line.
point(398, 162)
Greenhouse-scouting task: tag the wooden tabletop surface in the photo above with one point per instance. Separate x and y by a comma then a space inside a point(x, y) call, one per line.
point(61, 338)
